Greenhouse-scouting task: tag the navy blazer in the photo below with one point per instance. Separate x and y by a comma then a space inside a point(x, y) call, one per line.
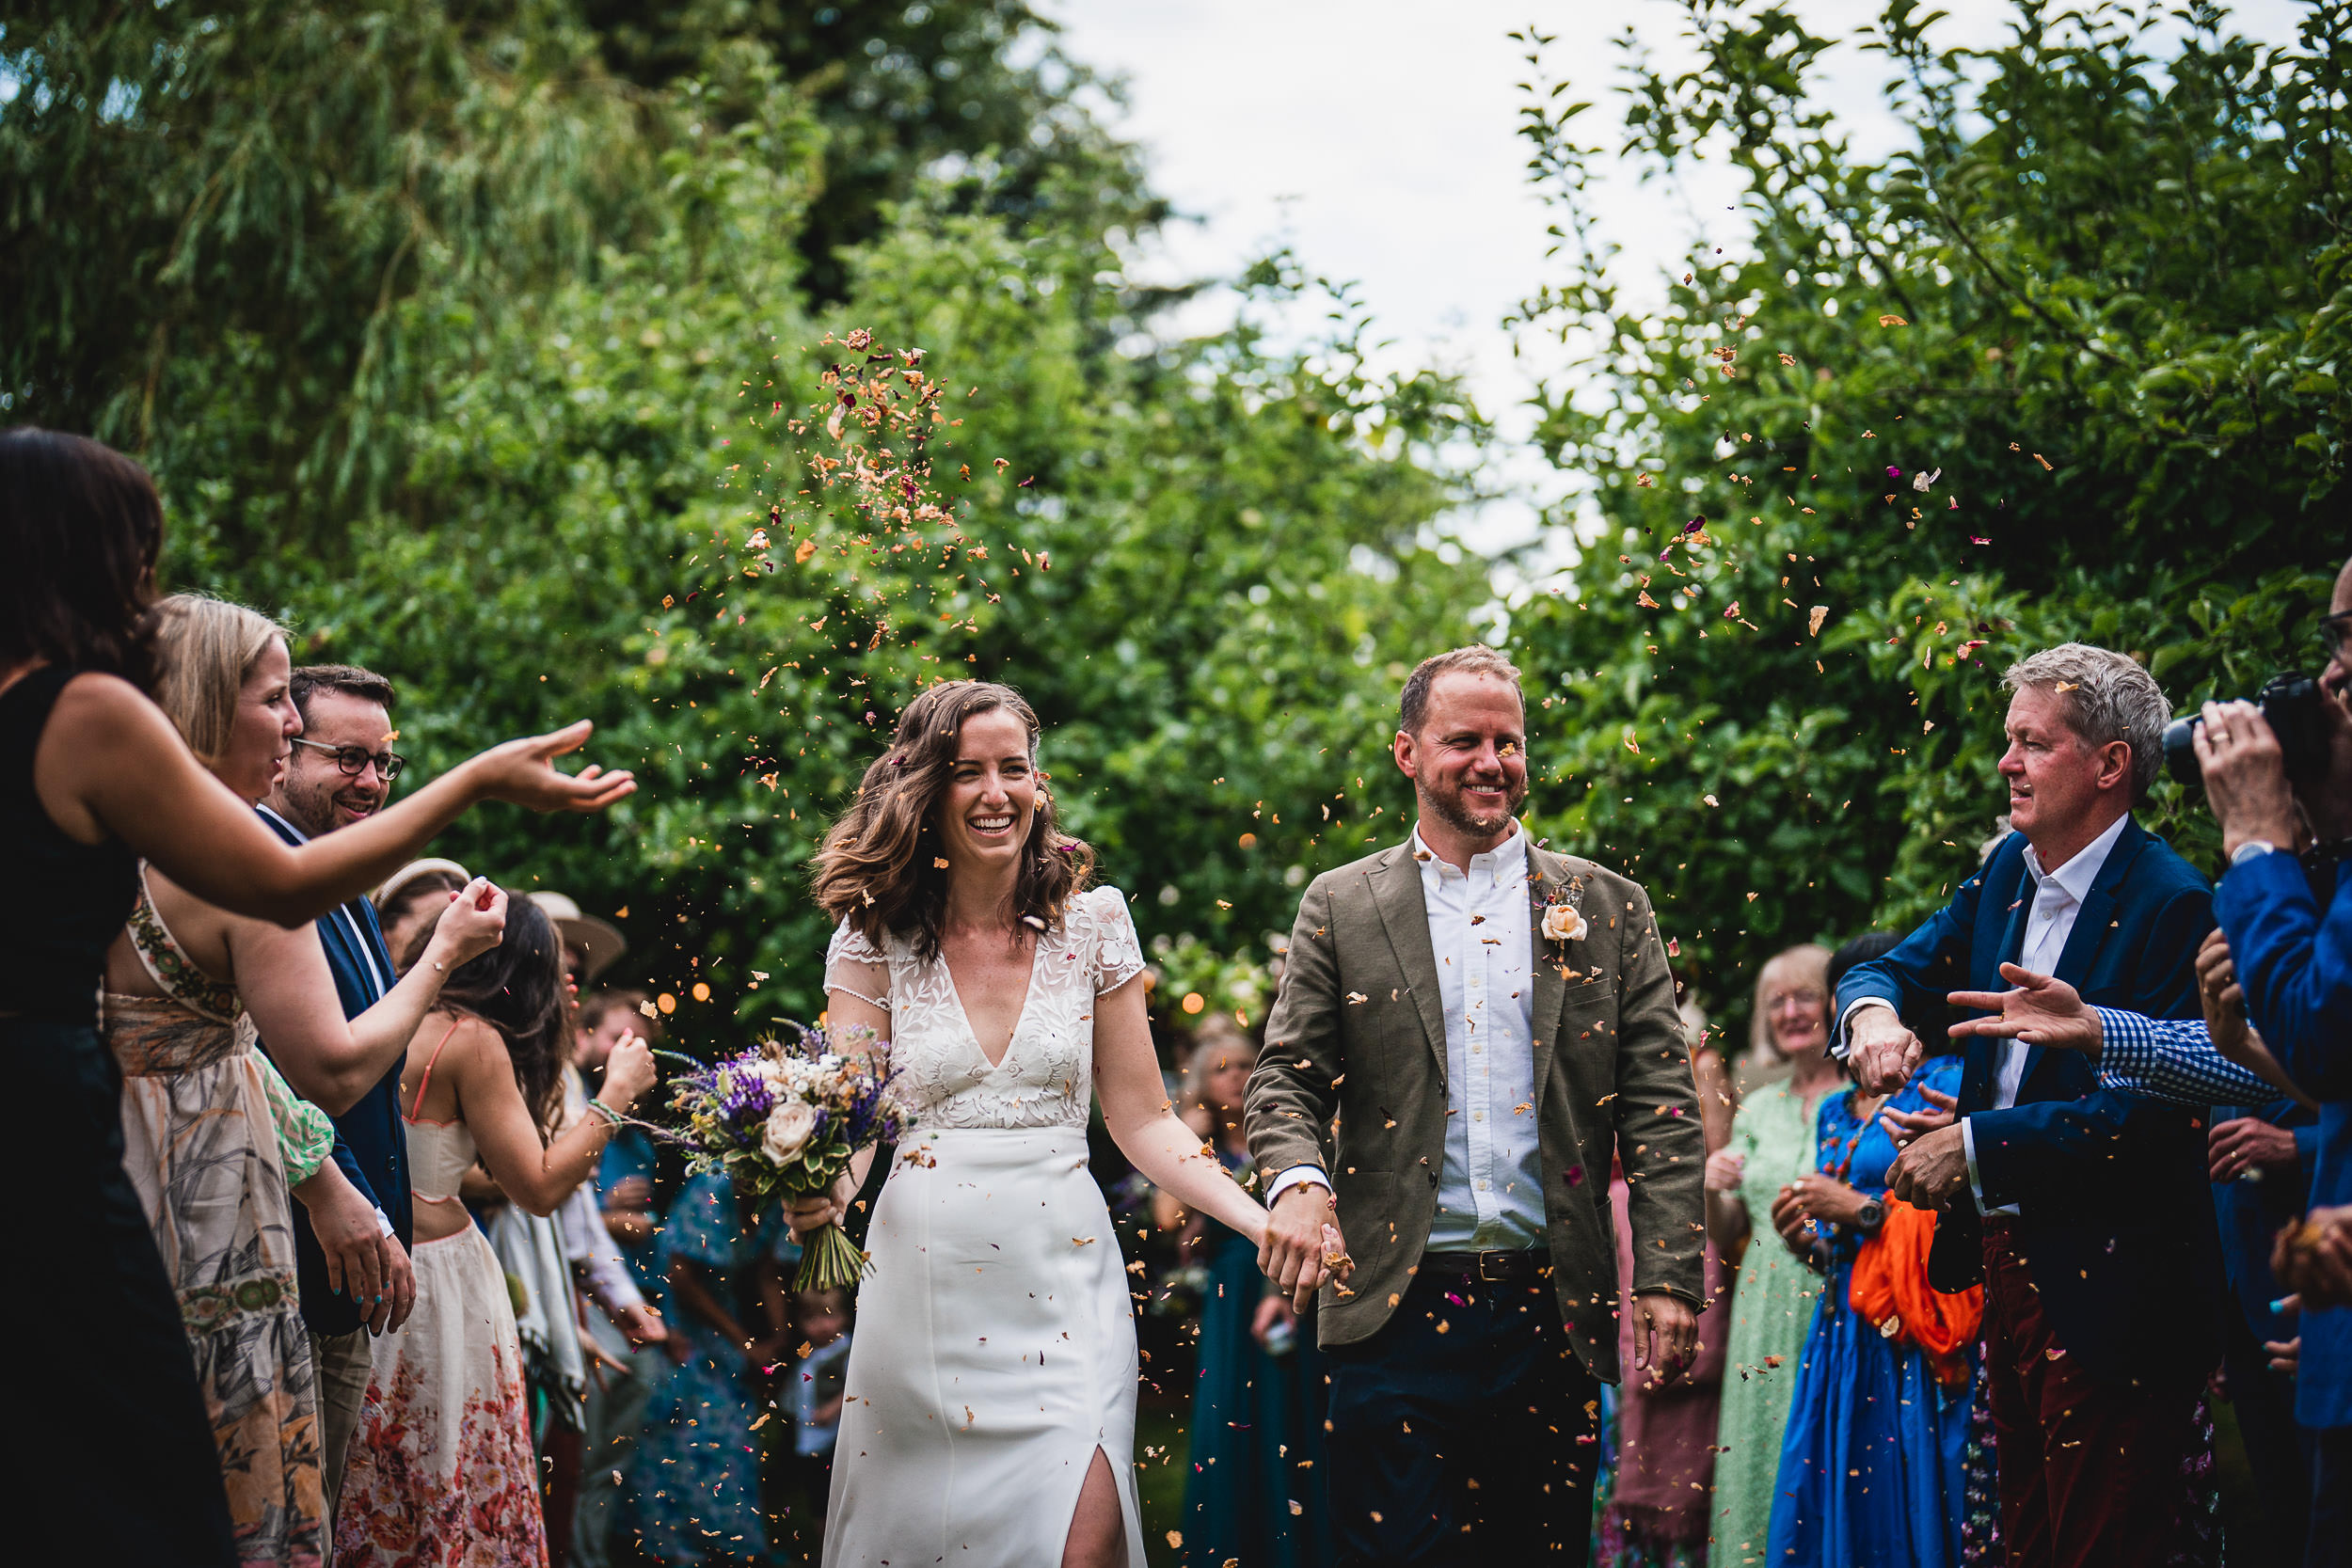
point(2116, 1215)
point(371, 1145)
point(2290, 934)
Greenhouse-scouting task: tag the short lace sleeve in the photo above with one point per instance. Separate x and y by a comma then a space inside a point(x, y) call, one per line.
point(855, 965)
point(1117, 955)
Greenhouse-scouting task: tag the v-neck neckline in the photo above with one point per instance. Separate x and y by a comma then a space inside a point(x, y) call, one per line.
point(1029, 995)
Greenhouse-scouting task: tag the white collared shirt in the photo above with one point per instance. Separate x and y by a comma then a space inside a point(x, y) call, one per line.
point(1491, 1191)
point(2058, 899)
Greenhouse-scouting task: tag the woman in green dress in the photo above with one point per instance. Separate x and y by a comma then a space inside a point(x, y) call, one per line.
point(1771, 1307)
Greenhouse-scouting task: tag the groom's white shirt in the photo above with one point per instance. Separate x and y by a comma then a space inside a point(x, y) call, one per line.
point(1490, 1195)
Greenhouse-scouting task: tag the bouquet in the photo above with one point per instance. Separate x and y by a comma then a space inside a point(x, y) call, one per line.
point(780, 1121)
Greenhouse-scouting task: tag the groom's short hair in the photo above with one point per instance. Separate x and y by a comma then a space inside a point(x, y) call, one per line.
point(1476, 660)
point(2109, 698)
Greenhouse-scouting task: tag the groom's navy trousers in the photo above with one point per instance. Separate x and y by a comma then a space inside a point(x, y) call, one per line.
point(1462, 1432)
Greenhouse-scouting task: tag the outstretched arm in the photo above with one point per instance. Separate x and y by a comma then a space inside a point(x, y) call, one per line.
point(110, 765)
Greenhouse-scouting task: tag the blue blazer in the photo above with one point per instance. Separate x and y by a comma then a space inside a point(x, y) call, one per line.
point(2116, 1215)
point(371, 1143)
point(2291, 933)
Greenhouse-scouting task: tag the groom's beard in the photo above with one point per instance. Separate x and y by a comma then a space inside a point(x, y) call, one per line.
point(1446, 804)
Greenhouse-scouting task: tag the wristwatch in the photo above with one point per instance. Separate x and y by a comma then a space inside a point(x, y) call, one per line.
point(2250, 848)
point(1870, 1216)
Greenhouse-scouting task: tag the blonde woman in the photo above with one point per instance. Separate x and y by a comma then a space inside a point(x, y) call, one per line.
point(1771, 1307)
point(214, 1139)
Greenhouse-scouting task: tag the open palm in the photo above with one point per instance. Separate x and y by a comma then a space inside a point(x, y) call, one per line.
point(2040, 1010)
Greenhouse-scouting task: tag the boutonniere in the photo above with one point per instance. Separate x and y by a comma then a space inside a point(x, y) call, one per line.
point(1564, 919)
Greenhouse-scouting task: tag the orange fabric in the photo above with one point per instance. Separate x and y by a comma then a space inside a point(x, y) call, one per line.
point(1891, 1292)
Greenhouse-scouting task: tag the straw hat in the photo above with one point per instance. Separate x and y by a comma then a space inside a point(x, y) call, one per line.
point(599, 941)
point(413, 870)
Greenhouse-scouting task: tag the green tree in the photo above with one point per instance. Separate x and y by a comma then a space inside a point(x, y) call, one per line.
point(2096, 301)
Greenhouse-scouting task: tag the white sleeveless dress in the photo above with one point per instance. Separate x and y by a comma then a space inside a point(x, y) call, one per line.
point(996, 1348)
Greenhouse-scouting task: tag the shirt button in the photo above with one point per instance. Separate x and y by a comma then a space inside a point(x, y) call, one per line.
point(1478, 1116)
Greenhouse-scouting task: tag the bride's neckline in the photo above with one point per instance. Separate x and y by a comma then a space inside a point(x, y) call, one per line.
point(971, 1031)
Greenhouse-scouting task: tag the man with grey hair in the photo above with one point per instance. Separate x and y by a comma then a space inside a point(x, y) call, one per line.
point(2084, 1212)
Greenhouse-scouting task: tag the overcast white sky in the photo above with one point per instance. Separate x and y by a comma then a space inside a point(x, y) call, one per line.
point(1378, 138)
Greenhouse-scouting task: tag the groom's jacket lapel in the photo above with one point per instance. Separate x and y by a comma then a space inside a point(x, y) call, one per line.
point(1547, 875)
point(1404, 916)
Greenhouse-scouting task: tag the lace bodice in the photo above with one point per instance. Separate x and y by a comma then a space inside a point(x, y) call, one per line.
point(1047, 1076)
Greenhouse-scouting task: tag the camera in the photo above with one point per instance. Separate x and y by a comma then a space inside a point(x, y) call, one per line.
point(2291, 705)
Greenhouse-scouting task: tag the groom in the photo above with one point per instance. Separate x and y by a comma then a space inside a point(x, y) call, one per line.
point(1468, 1029)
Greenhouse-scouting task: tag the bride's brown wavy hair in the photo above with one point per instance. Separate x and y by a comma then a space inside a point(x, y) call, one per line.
point(878, 869)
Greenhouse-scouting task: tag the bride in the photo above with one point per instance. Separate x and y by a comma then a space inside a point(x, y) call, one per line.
point(990, 1401)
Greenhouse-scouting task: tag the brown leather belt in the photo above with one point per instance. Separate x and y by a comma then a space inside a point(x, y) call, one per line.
point(1489, 1268)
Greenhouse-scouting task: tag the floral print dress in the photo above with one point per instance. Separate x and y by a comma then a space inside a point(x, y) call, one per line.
point(213, 1140)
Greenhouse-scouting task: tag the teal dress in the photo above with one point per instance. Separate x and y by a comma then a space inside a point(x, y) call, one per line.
point(698, 1474)
point(1771, 1310)
point(1256, 1492)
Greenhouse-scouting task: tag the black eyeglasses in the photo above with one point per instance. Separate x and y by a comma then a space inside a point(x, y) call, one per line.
point(2336, 632)
point(354, 760)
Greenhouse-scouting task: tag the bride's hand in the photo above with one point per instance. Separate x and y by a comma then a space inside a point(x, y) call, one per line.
point(813, 1213)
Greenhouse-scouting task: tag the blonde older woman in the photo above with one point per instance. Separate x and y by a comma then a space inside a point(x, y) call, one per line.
point(1771, 1145)
point(214, 1139)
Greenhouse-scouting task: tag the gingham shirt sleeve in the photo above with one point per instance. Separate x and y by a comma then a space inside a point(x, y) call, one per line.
point(2172, 1059)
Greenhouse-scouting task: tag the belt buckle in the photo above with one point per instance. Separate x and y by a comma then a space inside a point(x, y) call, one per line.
point(1502, 1262)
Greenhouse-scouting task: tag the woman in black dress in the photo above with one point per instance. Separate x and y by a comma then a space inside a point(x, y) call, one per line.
point(114, 1460)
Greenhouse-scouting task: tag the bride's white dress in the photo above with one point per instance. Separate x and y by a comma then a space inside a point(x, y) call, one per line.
point(994, 1350)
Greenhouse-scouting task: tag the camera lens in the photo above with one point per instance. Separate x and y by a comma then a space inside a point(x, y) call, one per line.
point(2180, 752)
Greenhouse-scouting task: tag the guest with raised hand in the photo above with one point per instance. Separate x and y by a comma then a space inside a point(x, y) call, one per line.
point(1772, 1304)
point(410, 900)
point(202, 1110)
point(443, 1471)
point(2083, 1210)
point(93, 777)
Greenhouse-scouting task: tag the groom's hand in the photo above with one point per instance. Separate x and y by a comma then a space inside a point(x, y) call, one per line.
point(1295, 1246)
point(1665, 1336)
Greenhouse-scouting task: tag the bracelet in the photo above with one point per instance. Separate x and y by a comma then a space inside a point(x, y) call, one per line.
point(611, 1115)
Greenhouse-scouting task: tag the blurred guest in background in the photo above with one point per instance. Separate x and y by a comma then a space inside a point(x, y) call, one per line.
point(697, 1497)
point(1771, 1305)
point(814, 1383)
point(410, 901)
point(443, 1472)
point(1659, 1488)
point(1256, 1491)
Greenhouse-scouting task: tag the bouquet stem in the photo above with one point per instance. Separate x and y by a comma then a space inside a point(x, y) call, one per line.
point(830, 1260)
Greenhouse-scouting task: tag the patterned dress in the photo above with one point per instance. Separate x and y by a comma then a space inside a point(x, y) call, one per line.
point(1772, 1310)
point(698, 1466)
point(213, 1140)
point(441, 1473)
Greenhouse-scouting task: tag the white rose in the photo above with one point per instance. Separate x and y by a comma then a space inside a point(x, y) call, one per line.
point(787, 1129)
point(1563, 924)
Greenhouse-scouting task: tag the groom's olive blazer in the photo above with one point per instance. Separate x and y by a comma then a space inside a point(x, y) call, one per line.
point(1353, 1079)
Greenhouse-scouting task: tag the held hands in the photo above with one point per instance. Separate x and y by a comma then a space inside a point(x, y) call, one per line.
point(1794, 1225)
point(1724, 1168)
point(642, 1324)
point(1883, 1052)
point(474, 922)
point(1302, 1246)
point(1825, 1197)
point(1665, 1336)
point(524, 773)
point(2041, 1010)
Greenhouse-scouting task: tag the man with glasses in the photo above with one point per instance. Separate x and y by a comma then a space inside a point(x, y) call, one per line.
point(340, 771)
point(2285, 907)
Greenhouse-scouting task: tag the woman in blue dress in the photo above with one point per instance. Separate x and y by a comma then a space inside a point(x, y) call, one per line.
point(698, 1472)
point(1872, 1465)
point(1255, 1491)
